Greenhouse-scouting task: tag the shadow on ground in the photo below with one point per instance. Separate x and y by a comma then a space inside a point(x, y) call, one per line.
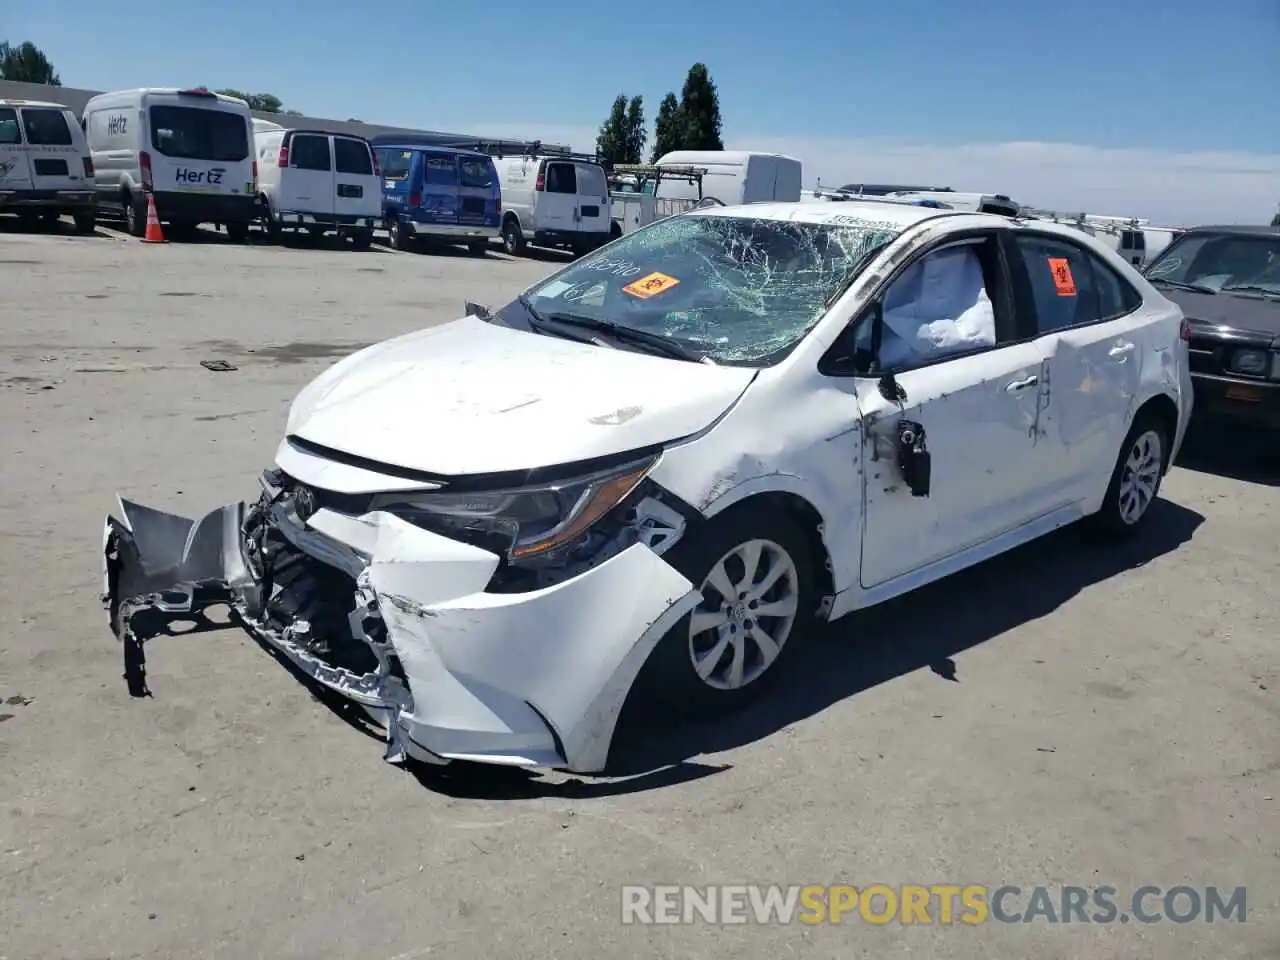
point(63, 229)
point(1231, 452)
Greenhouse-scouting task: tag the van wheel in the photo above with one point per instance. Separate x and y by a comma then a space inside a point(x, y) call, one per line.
point(238, 232)
point(28, 219)
point(478, 248)
point(49, 219)
point(362, 239)
point(135, 215)
point(86, 222)
point(397, 235)
point(513, 241)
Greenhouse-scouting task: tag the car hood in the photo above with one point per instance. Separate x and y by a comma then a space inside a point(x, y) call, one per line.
point(469, 397)
point(1244, 313)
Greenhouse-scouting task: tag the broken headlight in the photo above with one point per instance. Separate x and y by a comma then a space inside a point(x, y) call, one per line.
point(529, 526)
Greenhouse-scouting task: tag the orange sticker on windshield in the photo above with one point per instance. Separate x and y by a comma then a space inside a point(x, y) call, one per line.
point(1060, 267)
point(650, 286)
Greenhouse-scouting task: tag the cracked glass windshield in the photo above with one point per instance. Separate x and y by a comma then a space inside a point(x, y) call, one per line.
point(735, 289)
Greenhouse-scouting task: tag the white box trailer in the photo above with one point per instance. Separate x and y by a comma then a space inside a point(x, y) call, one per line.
point(733, 176)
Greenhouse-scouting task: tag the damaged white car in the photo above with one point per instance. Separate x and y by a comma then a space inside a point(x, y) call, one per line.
point(654, 470)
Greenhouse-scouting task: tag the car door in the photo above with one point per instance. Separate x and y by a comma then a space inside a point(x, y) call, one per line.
point(975, 397)
point(557, 202)
point(308, 185)
point(593, 211)
point(1090, 333)
point(15, 172)
point(356, 188)
point(55, 159)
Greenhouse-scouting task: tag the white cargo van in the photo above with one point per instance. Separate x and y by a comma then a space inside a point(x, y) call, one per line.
point(558, 200)
point(733, 176)
point(45, 168)
point(318, 181)
point(191, 149)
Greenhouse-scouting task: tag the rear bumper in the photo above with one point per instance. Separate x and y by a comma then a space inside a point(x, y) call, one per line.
point(69, 200)
point(533, 679)
point(579, 239)
point(205, 207)
point(455, 231)
point(303, 218)
point(1237, 399)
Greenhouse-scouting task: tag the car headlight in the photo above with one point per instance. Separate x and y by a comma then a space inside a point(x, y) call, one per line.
point(528, 525)
point(1251, 362)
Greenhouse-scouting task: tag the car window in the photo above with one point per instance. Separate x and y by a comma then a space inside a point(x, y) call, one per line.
point(1116, 296)
point(192, 133)
point(352, 156)
point(46, 127)
point(309, 152)
point(395, 163)
point(591, 180)
point(561, 178)
point(9, 126)
point(1219, 261)
point(936, 308)
point(737, 288)
point(1062, 282)
point(476, 172)
point(440, 169)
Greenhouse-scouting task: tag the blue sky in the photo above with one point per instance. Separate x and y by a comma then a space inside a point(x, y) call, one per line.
point(869, 90)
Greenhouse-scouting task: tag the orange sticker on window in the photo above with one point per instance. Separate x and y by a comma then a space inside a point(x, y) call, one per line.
point(1060, 267)
point(650, 286)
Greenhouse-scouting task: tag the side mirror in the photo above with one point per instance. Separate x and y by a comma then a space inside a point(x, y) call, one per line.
point(478, 310)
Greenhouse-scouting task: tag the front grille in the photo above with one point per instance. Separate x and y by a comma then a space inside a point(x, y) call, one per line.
point(1206, 356)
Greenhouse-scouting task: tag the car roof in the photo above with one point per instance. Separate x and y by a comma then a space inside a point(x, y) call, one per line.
point(430, 146)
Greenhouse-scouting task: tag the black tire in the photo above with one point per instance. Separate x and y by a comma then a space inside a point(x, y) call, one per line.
point(1117, 518)
point(397, 236)
point(270, 225)
point(135, 215)
point(28, 219)
point(513, 241)
point(238, 231)
point(669, 682)
point(362, 239)
point(478, 248)
point(49, 219)
point(86, 222)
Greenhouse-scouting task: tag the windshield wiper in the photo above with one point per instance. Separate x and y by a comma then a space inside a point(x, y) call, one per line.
point(1182, 284)
point(653, 342)
point(544, 325)
point(1267, 290)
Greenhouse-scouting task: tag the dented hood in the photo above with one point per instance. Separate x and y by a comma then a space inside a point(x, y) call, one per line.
point(470, 397)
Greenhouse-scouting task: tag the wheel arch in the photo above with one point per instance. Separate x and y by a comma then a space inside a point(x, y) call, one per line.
point(1164, 409)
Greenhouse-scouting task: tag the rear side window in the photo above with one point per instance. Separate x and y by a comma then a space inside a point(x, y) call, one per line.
point(591, 180)
point(309, 153)
point(352, 156)
point(395, 163)
point(440, 169)
point(476, 172)
point(1071, 286)
point(562, 178)
point(46, 127)
point(1133, 240)
point(194, 134)
point(9, 126)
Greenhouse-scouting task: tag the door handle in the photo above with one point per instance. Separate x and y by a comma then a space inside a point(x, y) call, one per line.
point(1121, 350)
point(1017, 385)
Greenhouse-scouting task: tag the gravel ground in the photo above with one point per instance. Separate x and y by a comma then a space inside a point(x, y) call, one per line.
point(1064, 715)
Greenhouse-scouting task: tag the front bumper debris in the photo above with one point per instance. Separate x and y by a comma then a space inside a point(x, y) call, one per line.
point(399, 621)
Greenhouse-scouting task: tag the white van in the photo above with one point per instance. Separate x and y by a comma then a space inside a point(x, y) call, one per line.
point(191, 149)
point(45, 168)
point(558, 200)
point(732, 176)
point(318, 181)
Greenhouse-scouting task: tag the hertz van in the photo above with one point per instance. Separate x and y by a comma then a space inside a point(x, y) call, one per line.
point(191, 149)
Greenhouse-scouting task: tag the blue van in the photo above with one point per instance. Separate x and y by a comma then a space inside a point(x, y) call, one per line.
point(439, 194)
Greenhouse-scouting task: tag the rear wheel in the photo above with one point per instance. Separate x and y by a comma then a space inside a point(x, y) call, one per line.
point(397, 235)
point(362, 238)
point(135, 215)
point(49, 219)
point(1135, 482)
point(478, 248)
point(513, 241)
point(86, 222)
point(238, 231)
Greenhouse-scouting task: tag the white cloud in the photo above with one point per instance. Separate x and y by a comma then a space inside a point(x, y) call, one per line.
point(1168, 187)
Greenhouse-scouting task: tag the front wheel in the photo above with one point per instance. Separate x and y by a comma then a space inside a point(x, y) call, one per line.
point(755, 570)
point(238, 231)
point(397, 235)
point(1135, 482)
point(513, 241)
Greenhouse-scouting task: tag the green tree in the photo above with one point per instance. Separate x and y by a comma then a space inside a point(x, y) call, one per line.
point(262, 102)
point(700, 109)
point(26, 62)
point(611, 143)
point(636, 134)
point(668, 128)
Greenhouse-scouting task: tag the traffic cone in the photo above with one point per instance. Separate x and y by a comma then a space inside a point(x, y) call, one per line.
point(154, 234)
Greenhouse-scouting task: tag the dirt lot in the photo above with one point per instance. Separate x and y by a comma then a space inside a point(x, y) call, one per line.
point(1064, 715)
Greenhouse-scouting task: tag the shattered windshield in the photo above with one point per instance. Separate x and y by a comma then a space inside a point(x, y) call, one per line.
point(735, 289)
point(1222, 262)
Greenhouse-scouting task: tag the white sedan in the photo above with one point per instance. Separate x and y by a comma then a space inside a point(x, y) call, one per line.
point(653, 471)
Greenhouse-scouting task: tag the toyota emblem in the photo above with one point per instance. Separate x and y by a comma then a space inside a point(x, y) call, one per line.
point(304, 502)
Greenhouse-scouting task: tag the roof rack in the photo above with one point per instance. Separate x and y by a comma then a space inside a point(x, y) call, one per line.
point(526, 148)
point(659, 171)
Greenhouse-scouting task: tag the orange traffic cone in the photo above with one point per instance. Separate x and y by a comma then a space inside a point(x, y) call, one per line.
point(154, 234)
